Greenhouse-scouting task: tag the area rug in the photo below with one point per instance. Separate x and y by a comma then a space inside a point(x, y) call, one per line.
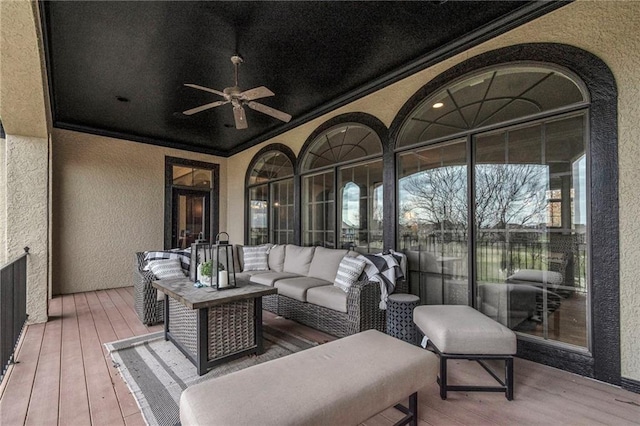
point(157, 372)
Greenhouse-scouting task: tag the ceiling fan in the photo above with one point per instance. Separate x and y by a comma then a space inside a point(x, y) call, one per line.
point(238, 98)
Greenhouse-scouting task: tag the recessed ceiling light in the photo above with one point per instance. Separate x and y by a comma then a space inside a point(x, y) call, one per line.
point(438, 105)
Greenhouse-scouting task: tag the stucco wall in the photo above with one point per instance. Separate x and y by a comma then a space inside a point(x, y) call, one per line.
point(611, 31)
point(22, 94)
point(3, 202)
point(108, 203)
point(28, 215)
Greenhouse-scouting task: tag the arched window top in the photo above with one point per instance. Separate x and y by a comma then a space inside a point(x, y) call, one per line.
point(342, 143)
point(491, 96)
point(270, 165)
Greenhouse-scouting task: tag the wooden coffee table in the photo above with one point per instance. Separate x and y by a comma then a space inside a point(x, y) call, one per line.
point(213, 326)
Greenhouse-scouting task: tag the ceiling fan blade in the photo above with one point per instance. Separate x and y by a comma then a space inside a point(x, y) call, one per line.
point(240, 117)
point(282, 116)
point(204, 107)
point(256, 93)
point(206, 89)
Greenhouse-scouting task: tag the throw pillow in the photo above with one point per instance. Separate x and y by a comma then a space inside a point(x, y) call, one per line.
point(166, 269)
point(349, 270)
point(184, 256)
point(256, 258)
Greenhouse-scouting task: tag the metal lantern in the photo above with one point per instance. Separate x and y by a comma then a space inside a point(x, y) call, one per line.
point(223, 276)
point(200, 253)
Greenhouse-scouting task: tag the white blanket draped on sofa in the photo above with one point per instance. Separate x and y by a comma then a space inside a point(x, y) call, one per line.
point(385, 269)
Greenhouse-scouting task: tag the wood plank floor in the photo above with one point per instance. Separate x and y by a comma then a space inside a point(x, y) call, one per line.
point(65, 377)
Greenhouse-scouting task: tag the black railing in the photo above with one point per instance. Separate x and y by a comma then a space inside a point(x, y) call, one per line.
point(13, 307)
point(496, 255)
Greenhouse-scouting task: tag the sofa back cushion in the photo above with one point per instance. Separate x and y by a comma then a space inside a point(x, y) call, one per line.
point(325, 262)
point(276, 258)
point(297, 259)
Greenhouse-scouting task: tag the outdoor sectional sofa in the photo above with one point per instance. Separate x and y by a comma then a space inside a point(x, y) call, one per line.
point(304, 277)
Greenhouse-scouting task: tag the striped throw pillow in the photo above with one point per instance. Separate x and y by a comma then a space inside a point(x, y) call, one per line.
point(183, 255)
point(348, 272)
point(256, 258)
point(166, 269)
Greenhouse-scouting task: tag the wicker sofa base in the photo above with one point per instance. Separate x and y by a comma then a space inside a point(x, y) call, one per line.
point(149, 309)
point(362, 311)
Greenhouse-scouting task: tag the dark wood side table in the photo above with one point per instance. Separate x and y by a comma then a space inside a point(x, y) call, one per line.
point(213, 326)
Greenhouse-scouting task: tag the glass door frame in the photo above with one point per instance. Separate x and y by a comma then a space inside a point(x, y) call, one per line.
point(178, 191)
point(214, 196)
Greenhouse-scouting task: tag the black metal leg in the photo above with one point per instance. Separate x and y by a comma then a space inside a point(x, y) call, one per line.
point(166, 317)
point(411, 412)
point(413, 408)
point(509, 378)
point(203, 341)
point(257, 304)
point(443, 376)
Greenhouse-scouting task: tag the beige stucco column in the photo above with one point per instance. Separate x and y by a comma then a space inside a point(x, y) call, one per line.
point(27, 215)
point(25, 159)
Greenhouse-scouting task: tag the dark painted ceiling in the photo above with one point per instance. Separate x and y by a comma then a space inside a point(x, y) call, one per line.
point(118, 68)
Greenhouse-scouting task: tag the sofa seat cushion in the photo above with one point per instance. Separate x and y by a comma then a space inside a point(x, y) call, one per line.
point(296, 288)
point(325, 262)
point(297, 259)
point(328, 296)
point(269, 278)
point(246, 275)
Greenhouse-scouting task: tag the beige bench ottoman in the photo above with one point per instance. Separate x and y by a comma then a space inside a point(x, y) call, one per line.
point(461, 332)
point(343, 382)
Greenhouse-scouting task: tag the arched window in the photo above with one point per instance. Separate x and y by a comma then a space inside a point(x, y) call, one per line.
point(488, 97)
point(492, 196)
point(270, 204)
point(342, 157)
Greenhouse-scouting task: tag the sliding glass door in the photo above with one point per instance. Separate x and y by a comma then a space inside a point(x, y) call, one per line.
point(433, 221)
point(530, 202)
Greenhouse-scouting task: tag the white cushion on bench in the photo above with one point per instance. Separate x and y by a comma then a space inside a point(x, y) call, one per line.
point(536, 275)
point(344, 382)
point(458, 329)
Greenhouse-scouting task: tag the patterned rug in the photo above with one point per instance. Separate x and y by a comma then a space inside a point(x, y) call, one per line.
point(157, 372)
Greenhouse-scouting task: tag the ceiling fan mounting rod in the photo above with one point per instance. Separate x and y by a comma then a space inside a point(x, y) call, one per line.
point(236, 60)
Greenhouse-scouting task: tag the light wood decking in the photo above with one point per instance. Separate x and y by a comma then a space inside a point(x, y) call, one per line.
point(66, 377)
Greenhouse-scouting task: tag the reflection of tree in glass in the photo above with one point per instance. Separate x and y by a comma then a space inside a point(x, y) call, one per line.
point(436, 196)
point(510, 195)
point(506, 195)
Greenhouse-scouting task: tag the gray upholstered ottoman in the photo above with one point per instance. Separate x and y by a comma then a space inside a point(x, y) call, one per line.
point(343, 382)
point(461, 332)
point(400, 317)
